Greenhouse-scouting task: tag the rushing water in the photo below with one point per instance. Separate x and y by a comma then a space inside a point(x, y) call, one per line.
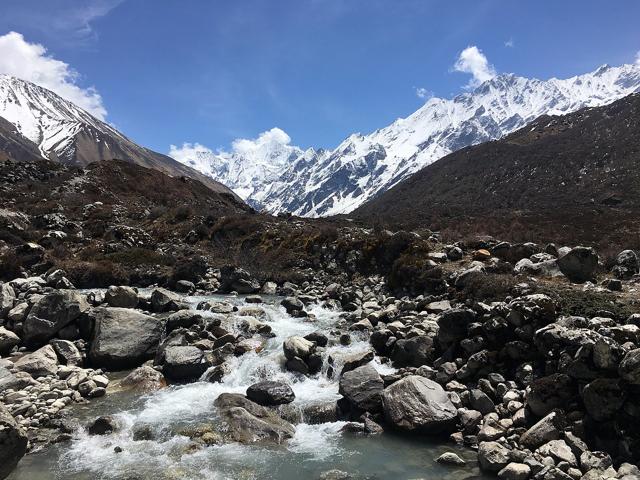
point(313, 449)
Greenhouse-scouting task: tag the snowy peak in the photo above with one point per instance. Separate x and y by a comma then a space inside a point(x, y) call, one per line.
point(45, 118)
point(363, 166)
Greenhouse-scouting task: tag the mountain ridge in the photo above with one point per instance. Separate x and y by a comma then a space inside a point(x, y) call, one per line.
point(66, 133)
point(322, 183)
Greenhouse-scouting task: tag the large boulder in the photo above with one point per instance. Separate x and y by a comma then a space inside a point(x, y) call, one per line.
point(7, 298)
point(453, 324)
point(51, 313)
point(67, 352)
point(15, 381)
point(8, 340)
point(245, 421)
point(163, 300)
point(548, 393)
point(363, 387)
point(123, 338)
point(492, 456)
point(547, 429)
point(579, 264)
point(144, 379)
point(627, 264)
point(413, 352)
point(603, 397)
point(629, 368)
point(184, 363)
point(13, 442)
point(234, 279)
point(270, 393)
point(121, 296)
point(298, 347)
point(40, 363)
point(416, 403)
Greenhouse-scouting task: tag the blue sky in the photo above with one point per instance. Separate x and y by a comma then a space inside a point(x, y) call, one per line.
point(169, 72)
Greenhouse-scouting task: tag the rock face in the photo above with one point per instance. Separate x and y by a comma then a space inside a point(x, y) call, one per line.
point(123, 338)
point(579, 264)
point(248, 422)
point(40, 363)
point(418, 404)
point(270, 393)
point(363, 387)
point(13, 443)
point(51, 313)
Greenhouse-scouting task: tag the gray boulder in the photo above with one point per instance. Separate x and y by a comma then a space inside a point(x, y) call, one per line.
point(547, 429)
point(492, 456)
point(13, 442)
point(363, 387)
point(67, 352)
point(234, 279)
point(579, 264)
point(123, 338)
point(7, 298)
point(8, 340)
point(270, 393)
point(51, 313)
point(245, 421)
point(163, 300)
point(416, 403)
point(412, 352)
point(298, 347)
point(629, 368)
point(184, 363)
point(121, 296)
point(40, 363)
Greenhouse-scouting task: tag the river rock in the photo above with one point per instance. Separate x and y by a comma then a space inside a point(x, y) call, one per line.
point(163, 300)
point(579, 264)
point(515, 471)
point(8, 340)
point(121, 296)
point(67, 352)
point(270, 393)
point(559, 451)
point(292, 305)
point(51, 313)
point(629, 368)
point(297, 347)
point(412, 352)
point(13, 442)
point(450, 458)
point(247, 422)
point(123, 338)
point(416, 403)
point(184, 363)
point(363, 387)
point(144, 379)
point(40, 363)
point(233, 279)
point(547, 429)
point(103, 426)
point(492, 456)
point(603, 398)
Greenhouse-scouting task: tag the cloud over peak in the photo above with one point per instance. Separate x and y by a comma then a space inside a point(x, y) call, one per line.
point(30, 61)
point(472, 60)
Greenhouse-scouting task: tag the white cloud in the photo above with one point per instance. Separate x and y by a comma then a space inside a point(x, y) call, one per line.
point(473, 61)
point(30, 61)
point(638, 58)
point(510, 43)
point(423, 93)
point(272, 137)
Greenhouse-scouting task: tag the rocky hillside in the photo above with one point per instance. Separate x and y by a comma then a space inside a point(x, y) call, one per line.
point(15, 146)
point(328, 182)
point(574, 175)
point(66, 133)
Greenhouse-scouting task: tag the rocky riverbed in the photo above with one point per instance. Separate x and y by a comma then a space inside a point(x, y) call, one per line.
point(334, 379)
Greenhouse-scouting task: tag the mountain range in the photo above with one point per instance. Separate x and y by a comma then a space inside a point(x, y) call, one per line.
point(37, 122)
point(276, 176)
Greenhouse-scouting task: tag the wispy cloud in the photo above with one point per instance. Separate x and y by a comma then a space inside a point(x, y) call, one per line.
point(423, 93)
point(510, 43)
point(30, 61)
point(638, 58)
point(67, 22)
point(472, 60)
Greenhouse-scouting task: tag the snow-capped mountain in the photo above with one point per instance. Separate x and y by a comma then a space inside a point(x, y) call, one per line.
point(66, 133)
point(317, 183)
